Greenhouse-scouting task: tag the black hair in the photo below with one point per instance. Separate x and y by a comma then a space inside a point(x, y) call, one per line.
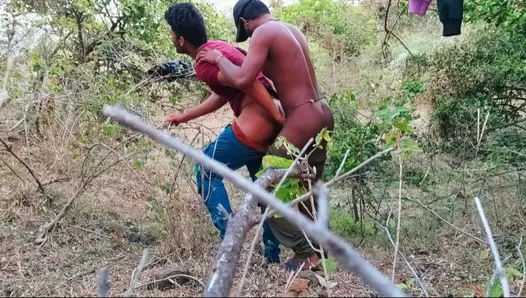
point(187, 21)
point(254, 9)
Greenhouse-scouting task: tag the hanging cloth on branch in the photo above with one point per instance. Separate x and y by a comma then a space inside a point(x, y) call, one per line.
point(449, 12)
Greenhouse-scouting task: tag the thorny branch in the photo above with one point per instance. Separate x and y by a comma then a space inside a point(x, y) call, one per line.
point(494, 250)
point(220, 282)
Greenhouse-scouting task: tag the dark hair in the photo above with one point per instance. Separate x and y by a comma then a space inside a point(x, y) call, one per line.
point(187, 21)
point(253, 10)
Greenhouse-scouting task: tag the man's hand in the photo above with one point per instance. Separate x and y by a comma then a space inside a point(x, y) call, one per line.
point(176, 119)
point(208, 55)
point(280, 109)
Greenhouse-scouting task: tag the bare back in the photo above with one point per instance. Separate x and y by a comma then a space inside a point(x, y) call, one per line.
point(289, 66)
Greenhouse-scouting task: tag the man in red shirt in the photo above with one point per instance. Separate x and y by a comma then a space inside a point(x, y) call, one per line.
point(245, 141)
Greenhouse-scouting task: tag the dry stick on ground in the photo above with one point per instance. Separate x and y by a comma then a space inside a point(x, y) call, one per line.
point(169, 278)
point(136, 274)
point(262, 221)
point(221, 279)
point(399, 218)
point(405, 260)
point(10, 150)
point(495, 251)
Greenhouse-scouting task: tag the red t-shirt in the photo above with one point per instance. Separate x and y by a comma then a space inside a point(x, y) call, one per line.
point(207, 73)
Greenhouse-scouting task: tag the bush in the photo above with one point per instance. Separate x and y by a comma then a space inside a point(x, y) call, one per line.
point(337, 25)
point(482, 73)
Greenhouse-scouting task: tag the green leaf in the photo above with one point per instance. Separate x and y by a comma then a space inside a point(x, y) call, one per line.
point(166, 188)
point(512, 272)
point(139, 164)
point(331, 266)
point(390, 139)
point(276, 162)
point(279, 142)
point(386, 115)
point(402, 286)
point(403, 125)
point(408, 146)
point(496, 289)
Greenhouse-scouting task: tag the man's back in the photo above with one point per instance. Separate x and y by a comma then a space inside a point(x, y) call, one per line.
point(289, 66)
point(288, 63)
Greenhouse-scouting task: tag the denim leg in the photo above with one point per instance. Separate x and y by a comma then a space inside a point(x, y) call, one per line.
point(228, 150)
point(270, 242)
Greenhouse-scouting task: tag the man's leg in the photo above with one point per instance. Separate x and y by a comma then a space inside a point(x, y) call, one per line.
point(272, 249)
point(287, 234)
point(229, 151)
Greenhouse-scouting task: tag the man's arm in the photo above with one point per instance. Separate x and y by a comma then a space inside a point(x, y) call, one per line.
point(213, 103)
point(242, 77)
point(259, 93)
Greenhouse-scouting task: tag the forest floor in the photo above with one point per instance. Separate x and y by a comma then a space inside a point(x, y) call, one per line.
point(125, 211)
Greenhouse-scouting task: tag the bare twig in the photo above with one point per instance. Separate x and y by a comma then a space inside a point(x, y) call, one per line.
point(16, 174)
point(494, 250)
point(136, 275)
point(323, 207)
point(336, 179)
point(222, 275)
point(405, 260)
point(399, 218)
point(340, 168)
point(523, 267)
point(103, 281)
point(262, 221)
point(10, 150)
point(83, 184)
point(447, 222)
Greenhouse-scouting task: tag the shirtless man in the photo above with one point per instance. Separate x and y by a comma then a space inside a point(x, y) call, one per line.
point(280, 50)
point(257, 122)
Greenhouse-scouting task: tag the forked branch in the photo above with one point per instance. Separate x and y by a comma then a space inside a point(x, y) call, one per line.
point(342, 251)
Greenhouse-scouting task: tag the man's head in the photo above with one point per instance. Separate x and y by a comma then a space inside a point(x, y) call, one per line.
point(187, 27)
point(245, 12)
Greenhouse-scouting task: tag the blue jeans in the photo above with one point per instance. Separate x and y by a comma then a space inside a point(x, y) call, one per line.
point(228, 150)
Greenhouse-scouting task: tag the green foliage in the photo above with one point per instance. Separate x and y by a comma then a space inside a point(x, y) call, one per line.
point(349, 134)
point(484, 71)
point(343, 224)
point(511, 273)
point(291, 187)
point(337, 25)
point(509, 15)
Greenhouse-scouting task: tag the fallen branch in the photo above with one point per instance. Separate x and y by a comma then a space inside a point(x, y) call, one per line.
point(499, 271)
point(220, 283)
point(136, 274)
